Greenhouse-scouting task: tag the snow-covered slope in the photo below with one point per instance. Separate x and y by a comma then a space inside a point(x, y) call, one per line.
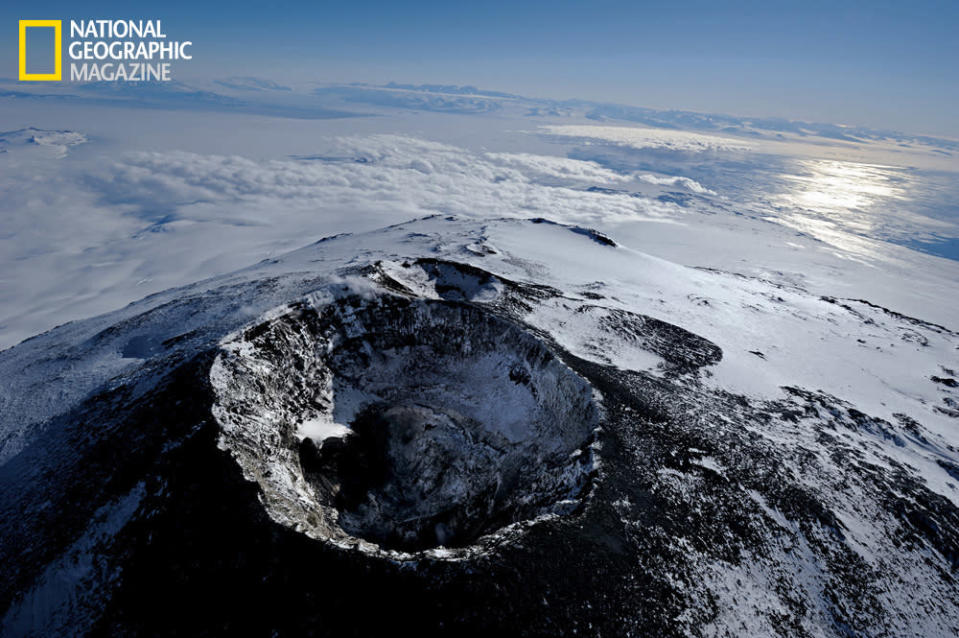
point(482, 425)
point(53, 144)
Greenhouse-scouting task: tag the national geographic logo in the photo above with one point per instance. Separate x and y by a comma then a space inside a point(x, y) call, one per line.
point(105, 50)
point(57, 27)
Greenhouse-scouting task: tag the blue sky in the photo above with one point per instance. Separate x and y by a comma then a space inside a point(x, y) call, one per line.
point(874, 63)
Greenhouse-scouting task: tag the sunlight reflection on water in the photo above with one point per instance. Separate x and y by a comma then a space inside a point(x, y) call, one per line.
point(833, 187)
point(842, 203)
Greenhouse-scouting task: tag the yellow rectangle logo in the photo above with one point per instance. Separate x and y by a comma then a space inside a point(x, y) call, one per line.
point(57, 54)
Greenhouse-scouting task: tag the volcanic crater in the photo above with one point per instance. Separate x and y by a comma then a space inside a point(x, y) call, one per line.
point(405, 426)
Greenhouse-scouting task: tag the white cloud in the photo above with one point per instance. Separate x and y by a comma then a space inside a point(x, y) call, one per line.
point(685, 182)
point(650, 138)
point(550, 167)
point(81, 237)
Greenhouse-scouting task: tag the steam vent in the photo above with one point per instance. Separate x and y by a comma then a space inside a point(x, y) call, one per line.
point(404, 427)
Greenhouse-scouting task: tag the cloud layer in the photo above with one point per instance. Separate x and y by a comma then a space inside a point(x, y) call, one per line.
point(83, 236)
point(650, 138)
